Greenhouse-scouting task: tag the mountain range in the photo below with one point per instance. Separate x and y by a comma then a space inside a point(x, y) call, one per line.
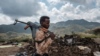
point(63, 27)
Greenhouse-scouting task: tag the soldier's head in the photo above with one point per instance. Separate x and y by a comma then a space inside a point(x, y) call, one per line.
point(44, 21)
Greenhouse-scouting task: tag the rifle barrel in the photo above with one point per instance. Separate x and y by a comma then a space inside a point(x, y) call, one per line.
point(22, 22)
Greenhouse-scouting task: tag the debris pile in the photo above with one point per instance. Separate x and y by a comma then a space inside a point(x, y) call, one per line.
point(67, 46)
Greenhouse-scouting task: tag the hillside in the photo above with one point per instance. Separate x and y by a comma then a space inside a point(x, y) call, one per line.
point(63, 27)
point(67, 27)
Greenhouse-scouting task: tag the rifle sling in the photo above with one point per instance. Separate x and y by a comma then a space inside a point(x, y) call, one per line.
point(42, 40)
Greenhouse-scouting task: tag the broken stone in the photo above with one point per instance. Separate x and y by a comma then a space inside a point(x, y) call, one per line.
point(84, 49)
point(97, 40)
point(69, 41)
point(96, 53)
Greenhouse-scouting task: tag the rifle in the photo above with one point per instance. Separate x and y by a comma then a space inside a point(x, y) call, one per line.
point(30, 28)
point(19, 21)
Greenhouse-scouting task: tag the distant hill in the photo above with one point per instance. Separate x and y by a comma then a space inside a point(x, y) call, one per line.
point(81, 22)
point(62, 27)
point(67, 27)
point(14, 28)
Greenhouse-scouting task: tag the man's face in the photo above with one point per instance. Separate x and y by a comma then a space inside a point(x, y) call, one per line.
point(46, 23)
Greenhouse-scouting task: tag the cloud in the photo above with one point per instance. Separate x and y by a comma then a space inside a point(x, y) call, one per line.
point(69, 10)
point(43, 9)
point(98, 3)
point(67, 7)
point(54, 2)
point(19, 7)
point(1, 10)
point(92, 14)
point(4, 19)
point(88, 4)
point(31, 19)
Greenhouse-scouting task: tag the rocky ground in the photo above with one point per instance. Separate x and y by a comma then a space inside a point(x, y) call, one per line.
point(8, 51)
point(56, 49)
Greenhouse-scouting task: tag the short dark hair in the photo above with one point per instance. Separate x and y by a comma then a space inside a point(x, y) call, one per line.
point(42, 19)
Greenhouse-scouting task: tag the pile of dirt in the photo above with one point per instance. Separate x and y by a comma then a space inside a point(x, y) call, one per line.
point(86, 48)
point(72, 50)
point(81, 47)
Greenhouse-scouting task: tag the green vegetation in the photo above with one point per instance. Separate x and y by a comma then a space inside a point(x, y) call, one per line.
point(75, 29)
point(87, 35)
point(15, 37)
point(69, 29)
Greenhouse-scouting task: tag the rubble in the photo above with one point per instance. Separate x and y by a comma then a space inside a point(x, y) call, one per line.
point(75, 47)
point(96, 53)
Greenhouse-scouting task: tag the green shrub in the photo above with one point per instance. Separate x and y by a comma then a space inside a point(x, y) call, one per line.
point(87, 35)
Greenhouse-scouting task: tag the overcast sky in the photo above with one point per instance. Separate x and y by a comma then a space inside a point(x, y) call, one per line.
point(57, 10)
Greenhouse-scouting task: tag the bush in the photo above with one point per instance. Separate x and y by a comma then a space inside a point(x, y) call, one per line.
point(1, 39)
point(87, 35)
point(20, 39)
point(96, 31)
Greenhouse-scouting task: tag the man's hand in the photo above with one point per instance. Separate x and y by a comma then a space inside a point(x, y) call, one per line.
point(52, 35)
point(26, 27)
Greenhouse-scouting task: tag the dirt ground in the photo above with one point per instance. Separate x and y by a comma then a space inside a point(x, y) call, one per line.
point(8, 51)
point(55, 50)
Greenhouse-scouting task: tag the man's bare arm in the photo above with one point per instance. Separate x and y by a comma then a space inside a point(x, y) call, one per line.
point(48, 41)
point(26, 27)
